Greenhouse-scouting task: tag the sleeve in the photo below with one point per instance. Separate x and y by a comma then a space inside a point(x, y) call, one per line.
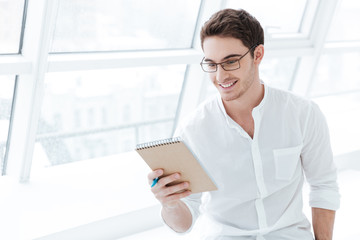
point(317, 161)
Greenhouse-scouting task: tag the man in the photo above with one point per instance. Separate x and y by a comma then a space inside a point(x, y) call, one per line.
point(256, 141)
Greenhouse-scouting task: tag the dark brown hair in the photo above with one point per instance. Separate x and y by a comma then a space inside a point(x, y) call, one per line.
point(234, 23)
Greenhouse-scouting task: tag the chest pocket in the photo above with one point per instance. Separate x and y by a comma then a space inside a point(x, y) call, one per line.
point(286, 160)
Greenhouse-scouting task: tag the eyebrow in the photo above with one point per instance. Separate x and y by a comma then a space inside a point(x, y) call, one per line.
point(227, 57)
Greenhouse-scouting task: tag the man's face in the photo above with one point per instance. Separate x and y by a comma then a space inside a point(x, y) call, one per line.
point(231, 84)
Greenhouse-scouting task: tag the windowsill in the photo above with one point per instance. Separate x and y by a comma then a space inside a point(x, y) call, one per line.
point(70, 195)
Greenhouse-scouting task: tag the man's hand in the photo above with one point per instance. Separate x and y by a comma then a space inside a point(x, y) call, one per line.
point(168, 196)
point(174, 212)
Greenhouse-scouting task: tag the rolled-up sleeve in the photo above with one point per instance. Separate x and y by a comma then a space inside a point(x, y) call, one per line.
point(317, 160)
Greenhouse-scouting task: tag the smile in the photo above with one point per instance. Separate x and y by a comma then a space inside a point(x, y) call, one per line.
point(227, 85)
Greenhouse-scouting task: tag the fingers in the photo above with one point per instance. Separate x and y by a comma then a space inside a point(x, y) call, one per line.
point(164, 180)
point(176, 197)
point(167, 191)
point(169, 179)
point(169, 195)
point(166, 194)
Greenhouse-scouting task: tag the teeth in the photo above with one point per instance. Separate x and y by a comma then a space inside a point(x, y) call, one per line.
point(227, 85)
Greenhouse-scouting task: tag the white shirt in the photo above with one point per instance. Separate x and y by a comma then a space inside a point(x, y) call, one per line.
point(260, 180)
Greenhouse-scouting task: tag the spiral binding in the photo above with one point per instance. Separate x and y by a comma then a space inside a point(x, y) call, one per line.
point(158, 143)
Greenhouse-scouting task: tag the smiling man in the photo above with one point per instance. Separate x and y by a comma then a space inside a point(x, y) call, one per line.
point(257, 142)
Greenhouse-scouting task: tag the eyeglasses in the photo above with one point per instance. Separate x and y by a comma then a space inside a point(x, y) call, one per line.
point(228, 65)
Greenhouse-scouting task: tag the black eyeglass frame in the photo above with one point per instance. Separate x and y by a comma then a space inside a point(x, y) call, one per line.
point(221, 63)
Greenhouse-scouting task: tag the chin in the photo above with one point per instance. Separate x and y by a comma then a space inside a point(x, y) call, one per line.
point(228, 98)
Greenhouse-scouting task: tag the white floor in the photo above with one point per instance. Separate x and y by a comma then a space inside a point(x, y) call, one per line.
point(347, 225)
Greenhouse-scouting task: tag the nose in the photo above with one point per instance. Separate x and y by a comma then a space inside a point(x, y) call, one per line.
point(221, 74)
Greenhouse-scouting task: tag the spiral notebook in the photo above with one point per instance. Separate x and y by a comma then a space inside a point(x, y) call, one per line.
point(172, 155)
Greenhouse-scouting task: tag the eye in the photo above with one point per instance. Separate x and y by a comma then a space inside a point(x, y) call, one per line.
point(211, 65)
point(230, 62)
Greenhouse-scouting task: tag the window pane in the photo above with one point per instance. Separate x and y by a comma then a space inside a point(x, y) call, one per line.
point(124, 25)
point(342, 114)
point(337, 73)
point(6, 97)
point(99, 113)
point(345, 25)
point(11, 14)
point(285, 17)
point(278, 72)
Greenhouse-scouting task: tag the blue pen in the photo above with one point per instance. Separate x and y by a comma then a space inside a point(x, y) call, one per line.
point(154, 182)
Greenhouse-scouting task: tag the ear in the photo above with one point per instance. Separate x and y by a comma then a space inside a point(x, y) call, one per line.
point(258, 54)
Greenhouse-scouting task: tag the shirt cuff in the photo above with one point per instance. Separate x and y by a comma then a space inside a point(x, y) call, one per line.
point(325, 199)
